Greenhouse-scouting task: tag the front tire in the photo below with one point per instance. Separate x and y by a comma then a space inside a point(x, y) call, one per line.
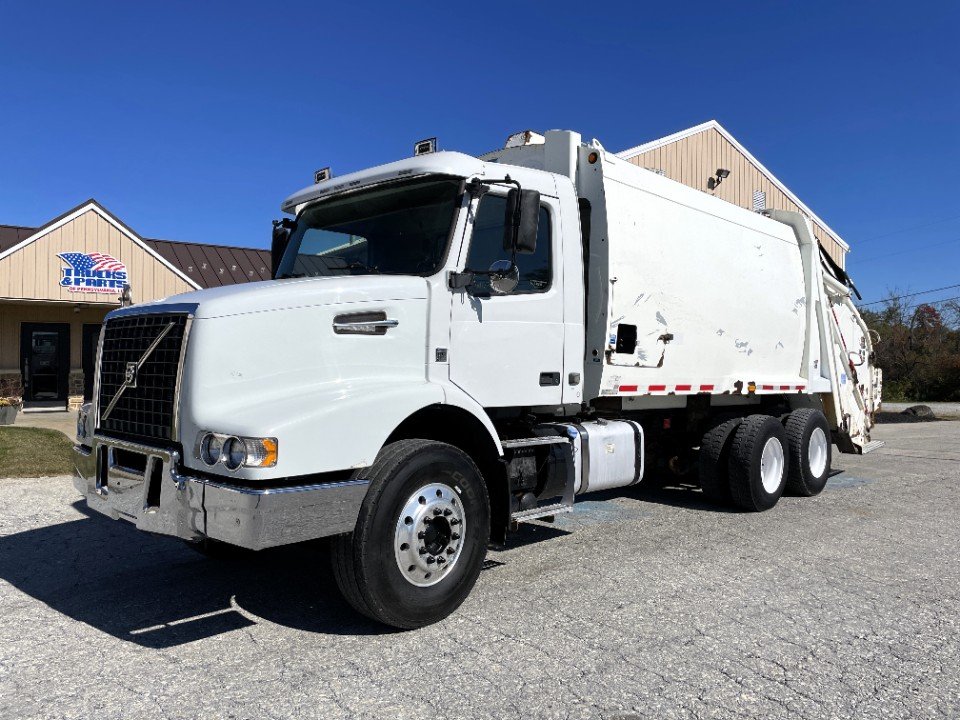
point(758, 463)
point(421, 536)
point(808, 438)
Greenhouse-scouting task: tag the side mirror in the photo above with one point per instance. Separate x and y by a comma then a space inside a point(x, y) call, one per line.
point(521, 220)
point(857, 358)
point(282, 230)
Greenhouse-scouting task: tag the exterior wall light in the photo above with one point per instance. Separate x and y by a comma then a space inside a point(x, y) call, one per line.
point(714, 182)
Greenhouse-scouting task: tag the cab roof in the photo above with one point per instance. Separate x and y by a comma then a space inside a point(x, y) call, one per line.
point(441, 163)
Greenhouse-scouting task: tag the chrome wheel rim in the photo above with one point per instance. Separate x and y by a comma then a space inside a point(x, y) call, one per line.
point(817, 452)
point(429, 535)
point(771, 465)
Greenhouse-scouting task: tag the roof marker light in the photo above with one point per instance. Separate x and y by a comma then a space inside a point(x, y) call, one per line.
point(425, 147)
point(322, 175)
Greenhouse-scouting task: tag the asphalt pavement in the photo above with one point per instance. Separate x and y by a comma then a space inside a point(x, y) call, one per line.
point(652, 605)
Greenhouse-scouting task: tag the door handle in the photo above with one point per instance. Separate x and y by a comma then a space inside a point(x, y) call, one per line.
point(364, 327)
point(548, 379)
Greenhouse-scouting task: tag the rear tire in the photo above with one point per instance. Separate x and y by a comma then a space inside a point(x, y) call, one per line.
point(808, 439)
point(714, 458)
point(758, 463)
point(421, 536)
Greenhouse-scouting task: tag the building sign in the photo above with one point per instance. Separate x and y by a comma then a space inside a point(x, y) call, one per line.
point(92, 272)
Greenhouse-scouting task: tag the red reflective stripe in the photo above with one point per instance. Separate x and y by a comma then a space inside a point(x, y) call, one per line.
point(766, 387)
point(628, 388)
point(800, 387)
point(657, 388)
point(706, 387)
point(682, 388)
point(784, 387)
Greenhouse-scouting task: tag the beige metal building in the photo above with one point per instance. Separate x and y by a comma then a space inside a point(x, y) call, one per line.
point(693, 157)
point(57, 283)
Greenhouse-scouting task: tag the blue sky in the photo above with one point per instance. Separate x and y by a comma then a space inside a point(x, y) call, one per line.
point(193, 121)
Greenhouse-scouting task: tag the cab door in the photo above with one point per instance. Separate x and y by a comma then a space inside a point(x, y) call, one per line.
point(508, 350)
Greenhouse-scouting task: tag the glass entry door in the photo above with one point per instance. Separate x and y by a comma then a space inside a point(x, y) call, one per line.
point(45, 361)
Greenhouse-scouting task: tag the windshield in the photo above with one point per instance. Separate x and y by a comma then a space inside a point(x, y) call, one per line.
point(402, 229)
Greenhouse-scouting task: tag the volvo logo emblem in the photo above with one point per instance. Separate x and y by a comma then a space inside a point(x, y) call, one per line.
point(130, 375)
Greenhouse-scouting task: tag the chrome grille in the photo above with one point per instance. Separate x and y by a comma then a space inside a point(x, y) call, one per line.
point(146, 409)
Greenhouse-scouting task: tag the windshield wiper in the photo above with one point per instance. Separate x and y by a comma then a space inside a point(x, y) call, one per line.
point(357, 265)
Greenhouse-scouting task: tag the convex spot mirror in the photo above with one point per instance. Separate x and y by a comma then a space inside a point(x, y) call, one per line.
point(282, 229)
point(857, 358)
point(504, 277)
point(520, 221)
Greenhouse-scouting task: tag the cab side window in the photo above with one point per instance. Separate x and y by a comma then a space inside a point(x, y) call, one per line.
point(486, 247)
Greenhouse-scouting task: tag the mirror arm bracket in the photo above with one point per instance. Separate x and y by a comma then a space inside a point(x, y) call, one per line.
point(460, 280)
point(476, 186)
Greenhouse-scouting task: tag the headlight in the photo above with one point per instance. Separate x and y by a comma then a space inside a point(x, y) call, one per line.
point(211, 448)
point(235, 452)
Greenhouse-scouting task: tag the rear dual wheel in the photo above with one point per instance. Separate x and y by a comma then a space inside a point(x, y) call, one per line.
point(758, 463)
point(715, 458)
point(752, 460)
point(808, 438)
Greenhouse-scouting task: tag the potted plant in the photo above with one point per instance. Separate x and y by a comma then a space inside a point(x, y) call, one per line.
point(11, 398)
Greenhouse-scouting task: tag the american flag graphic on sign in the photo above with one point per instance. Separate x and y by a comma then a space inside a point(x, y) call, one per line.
point(92, 272)
point(92, 261)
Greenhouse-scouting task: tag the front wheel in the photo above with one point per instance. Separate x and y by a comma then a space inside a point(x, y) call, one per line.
point(420, 538)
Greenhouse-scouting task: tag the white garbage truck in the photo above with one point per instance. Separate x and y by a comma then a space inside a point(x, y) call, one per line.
point(454, 345)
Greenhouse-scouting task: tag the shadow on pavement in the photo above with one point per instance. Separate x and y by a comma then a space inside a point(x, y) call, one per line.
point(531, 533)
point(685, 492)
point(158, 593)
point(678, 492)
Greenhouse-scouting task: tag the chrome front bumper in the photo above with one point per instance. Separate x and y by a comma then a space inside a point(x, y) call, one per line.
point(157, 498)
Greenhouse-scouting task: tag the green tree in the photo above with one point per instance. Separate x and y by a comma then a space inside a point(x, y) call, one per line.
point(918, 349)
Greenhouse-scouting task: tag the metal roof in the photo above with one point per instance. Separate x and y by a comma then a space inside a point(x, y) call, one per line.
point(10, 235)
point(214, 265)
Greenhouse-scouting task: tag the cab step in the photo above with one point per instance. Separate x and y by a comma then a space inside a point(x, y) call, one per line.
point(533, 441)
point(872, 445)
point(539, 512)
